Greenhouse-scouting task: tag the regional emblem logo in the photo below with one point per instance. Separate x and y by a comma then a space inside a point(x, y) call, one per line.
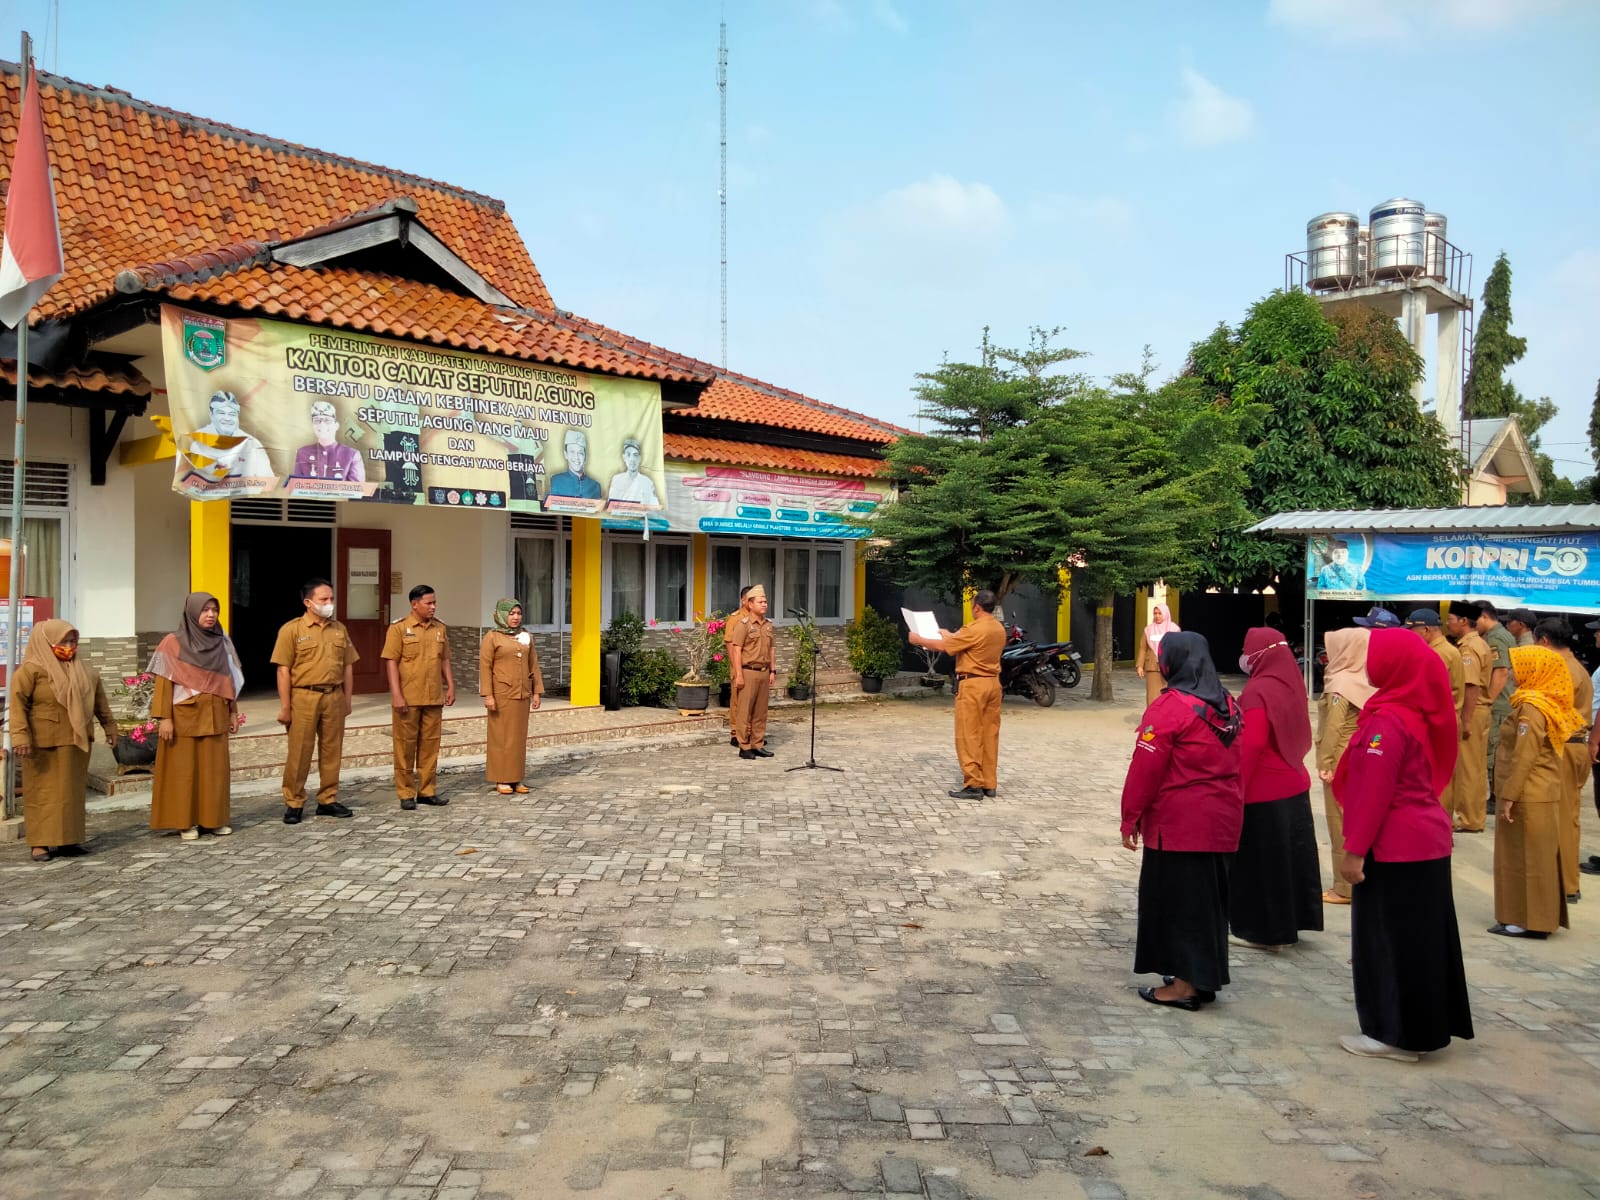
point(1377, 740)
point(205, 342)
point(1149, 734)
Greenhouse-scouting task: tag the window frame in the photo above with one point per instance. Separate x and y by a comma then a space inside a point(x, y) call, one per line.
point(608, 540)
point(844, 547)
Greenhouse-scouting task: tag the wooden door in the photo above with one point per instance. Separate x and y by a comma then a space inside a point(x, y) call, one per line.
point(361, 590)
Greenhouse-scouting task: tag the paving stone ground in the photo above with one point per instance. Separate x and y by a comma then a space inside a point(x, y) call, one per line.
point(676, 973)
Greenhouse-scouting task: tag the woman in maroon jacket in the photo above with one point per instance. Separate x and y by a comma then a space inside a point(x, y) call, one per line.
point(1411, 990)
point(1182, 798)
point(1275, 889)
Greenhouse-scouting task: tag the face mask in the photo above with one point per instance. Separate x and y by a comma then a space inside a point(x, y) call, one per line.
point(1244, 663)
point(64, 653)
point(325, 611)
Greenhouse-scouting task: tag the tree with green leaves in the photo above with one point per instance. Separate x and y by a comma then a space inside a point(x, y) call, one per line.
point(1494, 348)
point(1338, 425)
point(1028, 469)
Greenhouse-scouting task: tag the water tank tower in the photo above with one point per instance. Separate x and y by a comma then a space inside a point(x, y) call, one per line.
point(1398, 227)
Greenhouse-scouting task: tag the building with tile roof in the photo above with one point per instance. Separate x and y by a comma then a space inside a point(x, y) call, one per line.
point(203, 259)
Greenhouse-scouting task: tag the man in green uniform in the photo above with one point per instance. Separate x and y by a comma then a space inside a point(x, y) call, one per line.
point(416, 655)
point(1500, 684)
point(316, 679)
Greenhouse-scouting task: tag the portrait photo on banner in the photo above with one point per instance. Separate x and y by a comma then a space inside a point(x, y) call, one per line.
point(1338, 562)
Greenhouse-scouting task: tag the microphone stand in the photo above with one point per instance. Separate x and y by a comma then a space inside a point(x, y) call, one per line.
point(811, 764)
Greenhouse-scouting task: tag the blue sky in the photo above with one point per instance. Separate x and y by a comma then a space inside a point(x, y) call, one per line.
point(904, 172)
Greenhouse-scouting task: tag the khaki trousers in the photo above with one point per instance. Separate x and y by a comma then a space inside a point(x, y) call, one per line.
point(750, 708)
point(416, 749)
point(1335, 815)
point(1570, 815)
point(978, 731)
point(1468, 793)
point(316, 720)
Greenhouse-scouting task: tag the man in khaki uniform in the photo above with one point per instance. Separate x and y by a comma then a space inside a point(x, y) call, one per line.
point(977, 646)
point(1469, 785)
point(1556, 634)
point(316, 678)
point(416, 654)
point(755, 670)
point(1425, 623)
point(732, 630)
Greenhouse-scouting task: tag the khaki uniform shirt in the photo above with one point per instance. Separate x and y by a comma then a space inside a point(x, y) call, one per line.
point(1582, 692)
point(977, 645)
point(754, 639)
point(315, 651)
point(1336, 725)
point(419, 651)
point(1527, 768)
point(508, 666)
point(733, 630)
point(1458, 671)
point(1477, 660)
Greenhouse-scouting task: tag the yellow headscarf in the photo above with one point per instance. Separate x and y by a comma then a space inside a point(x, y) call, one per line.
point(1544, 682)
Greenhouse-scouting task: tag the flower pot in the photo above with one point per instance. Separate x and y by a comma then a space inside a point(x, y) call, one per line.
point(799, 691)
point(694, 697)
point(130, 753)
point(871, 684)
point(935, 682)
point(725, 695)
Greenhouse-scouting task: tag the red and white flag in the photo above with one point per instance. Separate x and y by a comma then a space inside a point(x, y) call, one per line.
point(30, 259)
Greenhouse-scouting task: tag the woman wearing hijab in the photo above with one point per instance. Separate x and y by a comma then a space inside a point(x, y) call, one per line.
point(1275, 889)
point(511, 685)
point(1345, 690)
point(1405, 950)
point(54, 699)
point(196, 700)
point(1529, 901)
point(1148, 661)
point(1182, 796)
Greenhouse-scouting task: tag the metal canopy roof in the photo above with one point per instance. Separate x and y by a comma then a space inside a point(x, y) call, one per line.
point(1523, 519)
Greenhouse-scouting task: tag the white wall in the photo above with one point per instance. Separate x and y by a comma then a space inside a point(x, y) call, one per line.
point(464, 556)
point(162, 567)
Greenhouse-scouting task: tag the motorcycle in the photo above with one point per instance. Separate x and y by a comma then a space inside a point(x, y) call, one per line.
point(1065, 661)
point(1027, 670)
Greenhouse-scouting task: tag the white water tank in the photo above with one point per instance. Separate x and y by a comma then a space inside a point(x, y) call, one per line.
point(1331, 250)
point(1397, 238)
point(1364, 254)
point(1436, 249)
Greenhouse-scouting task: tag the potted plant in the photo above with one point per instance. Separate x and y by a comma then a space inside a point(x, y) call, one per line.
point(619, 642)
point(720, 671)
point(873, 643)
point(698, 644)
point(135, 748)
point(802, 678)
point(930, 677)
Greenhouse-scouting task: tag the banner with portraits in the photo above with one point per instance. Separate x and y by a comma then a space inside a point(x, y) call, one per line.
point(267, 408)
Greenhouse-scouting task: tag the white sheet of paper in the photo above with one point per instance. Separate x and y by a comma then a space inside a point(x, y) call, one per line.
point(922, 623)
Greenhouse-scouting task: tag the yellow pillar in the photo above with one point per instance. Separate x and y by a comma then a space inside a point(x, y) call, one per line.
point(1141, 609)
point(1172, 605)
point(700, 544)
point(585, 615)
point(211, 552)
point(1064, 607)
point(858, 604)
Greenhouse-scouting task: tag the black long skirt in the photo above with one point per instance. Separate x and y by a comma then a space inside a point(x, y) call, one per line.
point(1183, 916)
point(1411, 989)
point(1275, 889)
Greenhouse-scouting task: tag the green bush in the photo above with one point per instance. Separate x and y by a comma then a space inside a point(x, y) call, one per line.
point(874, 645)
point(625, 635)
point(804, 632)
point(650, 678)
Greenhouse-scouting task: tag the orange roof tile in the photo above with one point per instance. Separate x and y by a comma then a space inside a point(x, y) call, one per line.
point(136, 183)
point(389, 306)
point(750, 401)
point(776, 458)
point(85, 379)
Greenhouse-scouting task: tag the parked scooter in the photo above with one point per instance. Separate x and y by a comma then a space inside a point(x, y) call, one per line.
point(1027, 670)
point(1066, 664)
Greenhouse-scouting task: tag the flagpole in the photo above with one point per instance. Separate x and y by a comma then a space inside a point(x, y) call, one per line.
point(18, 467)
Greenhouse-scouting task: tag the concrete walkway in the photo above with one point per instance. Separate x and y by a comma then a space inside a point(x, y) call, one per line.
point(670, 973)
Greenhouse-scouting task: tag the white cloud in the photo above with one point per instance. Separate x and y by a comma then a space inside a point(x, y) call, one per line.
point(1208, 116)
point(940, 204)
point(1371, 21)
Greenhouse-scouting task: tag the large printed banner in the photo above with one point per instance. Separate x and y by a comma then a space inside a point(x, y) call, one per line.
point(739, 501)
point(268, 408)
point(1554, 571)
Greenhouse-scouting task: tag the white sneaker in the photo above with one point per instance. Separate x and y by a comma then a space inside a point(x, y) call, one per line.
point(222, 831)
point(192, 834)
point(1366, 1047)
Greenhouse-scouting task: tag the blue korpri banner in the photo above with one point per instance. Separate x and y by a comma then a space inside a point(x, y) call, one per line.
point(1557, 572)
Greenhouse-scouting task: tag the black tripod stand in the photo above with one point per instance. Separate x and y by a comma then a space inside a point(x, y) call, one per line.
point(811, 764)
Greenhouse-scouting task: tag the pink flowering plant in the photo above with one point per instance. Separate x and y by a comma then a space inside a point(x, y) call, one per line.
point(133, 695)
point(700, 644)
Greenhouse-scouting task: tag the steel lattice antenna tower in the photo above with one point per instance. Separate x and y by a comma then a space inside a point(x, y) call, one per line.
point(722, 189)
